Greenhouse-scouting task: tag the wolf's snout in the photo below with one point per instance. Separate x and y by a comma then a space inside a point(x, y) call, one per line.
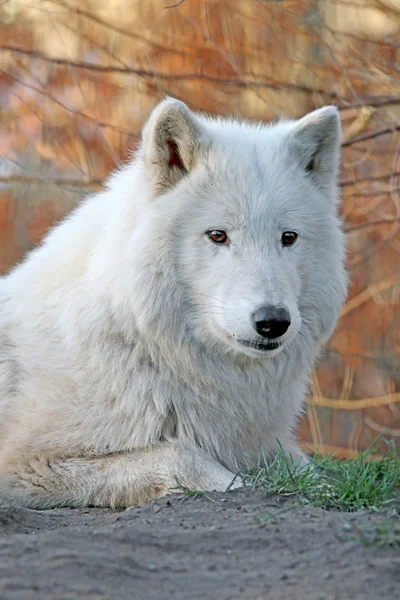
point(271, 321)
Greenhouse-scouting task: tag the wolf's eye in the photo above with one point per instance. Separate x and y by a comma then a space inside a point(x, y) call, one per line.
point(217, 236)
point(288, 238)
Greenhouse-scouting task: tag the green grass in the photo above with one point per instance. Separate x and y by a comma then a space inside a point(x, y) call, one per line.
point(363, 483)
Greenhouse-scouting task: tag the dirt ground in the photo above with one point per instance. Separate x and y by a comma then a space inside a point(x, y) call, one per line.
point(224, 546)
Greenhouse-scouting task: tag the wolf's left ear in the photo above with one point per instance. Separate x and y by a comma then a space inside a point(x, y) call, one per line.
point(170, 140)
point(315, 140)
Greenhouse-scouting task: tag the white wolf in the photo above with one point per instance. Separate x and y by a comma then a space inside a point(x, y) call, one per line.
point(163, 334)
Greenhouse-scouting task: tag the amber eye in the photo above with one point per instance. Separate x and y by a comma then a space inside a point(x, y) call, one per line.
point(288, 238)
point(217, 236)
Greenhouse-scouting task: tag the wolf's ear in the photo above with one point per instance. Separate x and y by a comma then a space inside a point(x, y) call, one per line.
point(315, 140)
point(170, 139)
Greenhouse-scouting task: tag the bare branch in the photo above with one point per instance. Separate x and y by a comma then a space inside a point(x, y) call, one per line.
point(372, 135)
point(175, 5)
point(374, 101)
point(274, 85)
point(76, 183)
point(381, 42)
point(369, 293)
point(359, 124)
point(371, 101)
point(371, 224)
point(70, 109)
point(354, 181)
point(109, 26)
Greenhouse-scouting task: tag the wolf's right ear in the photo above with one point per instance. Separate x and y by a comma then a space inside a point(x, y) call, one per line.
point(170, 139)
point(315, 140)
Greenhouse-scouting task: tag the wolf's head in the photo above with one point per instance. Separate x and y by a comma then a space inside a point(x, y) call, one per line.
point(240, 237)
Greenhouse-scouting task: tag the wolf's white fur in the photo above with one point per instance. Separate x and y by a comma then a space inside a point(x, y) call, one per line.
point(122, 368)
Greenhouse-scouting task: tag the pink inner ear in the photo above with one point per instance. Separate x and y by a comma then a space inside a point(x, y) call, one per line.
point(174, 158)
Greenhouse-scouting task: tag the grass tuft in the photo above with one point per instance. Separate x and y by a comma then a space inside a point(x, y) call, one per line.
point(362, 483)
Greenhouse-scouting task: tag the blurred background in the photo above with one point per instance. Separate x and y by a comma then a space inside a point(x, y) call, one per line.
point(79, 78)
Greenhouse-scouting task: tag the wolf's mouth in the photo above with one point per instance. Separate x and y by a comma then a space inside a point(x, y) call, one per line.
point(264, 346)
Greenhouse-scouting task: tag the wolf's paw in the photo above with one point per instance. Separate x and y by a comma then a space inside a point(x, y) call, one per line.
point(236, 484)
point(227, 482)
point(197, 470)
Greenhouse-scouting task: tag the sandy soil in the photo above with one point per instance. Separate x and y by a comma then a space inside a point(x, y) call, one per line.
point(223, 546)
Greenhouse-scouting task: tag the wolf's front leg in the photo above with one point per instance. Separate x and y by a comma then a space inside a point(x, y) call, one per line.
point(116, 480)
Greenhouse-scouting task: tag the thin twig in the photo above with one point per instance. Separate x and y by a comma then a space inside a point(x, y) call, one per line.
point(371, 224)
point(74, 111)
point(124, 32)
point(372, 135)
point(77, 183)
point(367, 179)
point(175, 5)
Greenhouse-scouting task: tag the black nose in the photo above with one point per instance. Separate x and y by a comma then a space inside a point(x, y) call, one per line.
point(271, 321)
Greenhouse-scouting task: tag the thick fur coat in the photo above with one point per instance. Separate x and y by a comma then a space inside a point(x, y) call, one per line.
point(131, 360)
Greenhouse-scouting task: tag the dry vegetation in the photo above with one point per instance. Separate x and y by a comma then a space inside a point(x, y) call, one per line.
point(78, 79)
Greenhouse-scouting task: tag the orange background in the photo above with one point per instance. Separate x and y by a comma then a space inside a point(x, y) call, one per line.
point(78, 79)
